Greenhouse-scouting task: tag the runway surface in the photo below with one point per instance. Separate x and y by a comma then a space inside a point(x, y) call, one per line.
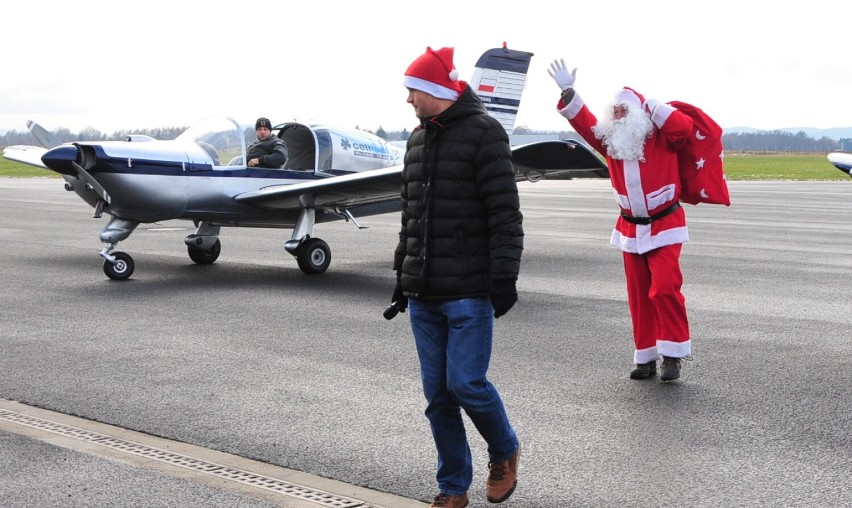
point(252, 363)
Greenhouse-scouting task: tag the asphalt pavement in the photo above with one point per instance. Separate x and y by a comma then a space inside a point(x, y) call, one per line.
point(248, 383)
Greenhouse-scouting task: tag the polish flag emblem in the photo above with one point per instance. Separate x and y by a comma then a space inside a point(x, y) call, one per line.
point(487, 85)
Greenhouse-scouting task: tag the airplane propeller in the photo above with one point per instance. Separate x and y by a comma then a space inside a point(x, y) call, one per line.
point(42, 135)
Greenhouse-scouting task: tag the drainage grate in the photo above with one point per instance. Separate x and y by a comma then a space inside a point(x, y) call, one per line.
point(228, 473)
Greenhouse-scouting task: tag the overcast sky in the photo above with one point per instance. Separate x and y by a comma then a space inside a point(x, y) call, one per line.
point(116, 65)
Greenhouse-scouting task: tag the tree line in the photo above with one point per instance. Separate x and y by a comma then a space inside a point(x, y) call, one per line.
point(778, 141)
point(763, 141)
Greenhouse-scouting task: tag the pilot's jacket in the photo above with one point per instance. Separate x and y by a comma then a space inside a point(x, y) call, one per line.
point(272, 152)
point(643, 188)
point(461, 218)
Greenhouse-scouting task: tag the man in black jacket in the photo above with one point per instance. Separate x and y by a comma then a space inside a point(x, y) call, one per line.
point(457, 264)
point(267, 151)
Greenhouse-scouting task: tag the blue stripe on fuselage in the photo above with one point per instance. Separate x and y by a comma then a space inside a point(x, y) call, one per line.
point(170, 168)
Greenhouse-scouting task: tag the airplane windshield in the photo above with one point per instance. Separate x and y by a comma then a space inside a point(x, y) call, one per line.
point(221, 138)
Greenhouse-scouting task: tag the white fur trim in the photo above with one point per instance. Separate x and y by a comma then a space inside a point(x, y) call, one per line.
point(625, 96)
point(572, 108)
point(646, 355)
point(433, 89)
point(644, 242)
point(674, 349)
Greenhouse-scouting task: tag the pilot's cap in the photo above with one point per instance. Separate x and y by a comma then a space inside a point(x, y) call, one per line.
point(262, 122)
point(433, 72)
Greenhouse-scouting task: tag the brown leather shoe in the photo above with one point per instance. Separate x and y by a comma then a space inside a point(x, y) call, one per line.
point(670, 369)
point(448, 501)
point(502, 478)
point(644, 370)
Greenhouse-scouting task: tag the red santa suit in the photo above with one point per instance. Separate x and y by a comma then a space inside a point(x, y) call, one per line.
point(650, 229)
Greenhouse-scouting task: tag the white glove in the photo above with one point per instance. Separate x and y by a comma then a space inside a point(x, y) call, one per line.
point(559, 72)
point(650, 105)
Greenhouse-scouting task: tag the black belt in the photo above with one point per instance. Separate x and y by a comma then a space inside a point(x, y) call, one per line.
point(657, 216)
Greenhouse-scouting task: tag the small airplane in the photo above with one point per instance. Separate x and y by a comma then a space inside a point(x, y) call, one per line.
point(842, 161)
point(332, 174)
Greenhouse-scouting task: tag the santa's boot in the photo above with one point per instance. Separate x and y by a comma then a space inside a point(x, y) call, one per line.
point(670, 369)
point(644, 370)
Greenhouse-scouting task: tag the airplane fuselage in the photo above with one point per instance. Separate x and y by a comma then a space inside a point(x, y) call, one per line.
point(150, 181)
point(204, 195)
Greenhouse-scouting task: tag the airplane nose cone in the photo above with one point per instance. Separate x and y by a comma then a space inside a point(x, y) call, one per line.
point(59, 159)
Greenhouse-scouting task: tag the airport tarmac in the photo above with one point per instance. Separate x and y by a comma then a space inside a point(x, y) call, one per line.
point(247, 383)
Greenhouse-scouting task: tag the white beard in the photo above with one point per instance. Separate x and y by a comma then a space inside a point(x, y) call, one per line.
point(625, 137)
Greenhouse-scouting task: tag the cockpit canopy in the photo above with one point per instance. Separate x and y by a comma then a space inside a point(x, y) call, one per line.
point(317, 148)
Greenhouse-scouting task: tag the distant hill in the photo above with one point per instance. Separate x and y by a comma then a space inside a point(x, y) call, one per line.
point(835, 133)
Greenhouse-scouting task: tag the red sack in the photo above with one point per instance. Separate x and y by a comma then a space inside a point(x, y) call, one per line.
point(702, 177)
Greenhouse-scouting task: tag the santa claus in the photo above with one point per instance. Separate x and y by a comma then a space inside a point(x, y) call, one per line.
point(640, 139)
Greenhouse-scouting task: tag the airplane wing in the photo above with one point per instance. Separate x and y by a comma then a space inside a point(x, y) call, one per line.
point(366, 187)
point(557, 160)
point(30, 155)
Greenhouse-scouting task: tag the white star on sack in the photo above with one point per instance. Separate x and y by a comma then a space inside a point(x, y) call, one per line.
point(699, 164)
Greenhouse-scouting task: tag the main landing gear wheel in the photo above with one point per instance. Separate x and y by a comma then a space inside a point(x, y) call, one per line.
point(121, 269)
point(313, 256)
point(204, 256)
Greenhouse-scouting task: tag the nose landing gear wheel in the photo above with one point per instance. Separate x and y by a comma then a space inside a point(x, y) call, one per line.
point(313, 256)
point(202, 256)
point(122, 269)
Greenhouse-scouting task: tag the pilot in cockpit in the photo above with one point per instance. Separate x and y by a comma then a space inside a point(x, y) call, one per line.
point(267, 151)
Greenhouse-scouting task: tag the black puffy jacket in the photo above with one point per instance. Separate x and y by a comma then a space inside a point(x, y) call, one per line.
point(272, 152)
point(461, 219)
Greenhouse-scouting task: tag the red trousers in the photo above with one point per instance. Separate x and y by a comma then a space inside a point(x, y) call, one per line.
point(657, 307)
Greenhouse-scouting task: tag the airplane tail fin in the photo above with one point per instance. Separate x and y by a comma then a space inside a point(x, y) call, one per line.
point(499, 80)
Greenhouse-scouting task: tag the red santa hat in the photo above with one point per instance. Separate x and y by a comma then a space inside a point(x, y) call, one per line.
point(433, 72)
point(630, 97)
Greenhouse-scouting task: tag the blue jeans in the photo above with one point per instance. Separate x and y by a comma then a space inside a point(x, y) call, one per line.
point(453, 339)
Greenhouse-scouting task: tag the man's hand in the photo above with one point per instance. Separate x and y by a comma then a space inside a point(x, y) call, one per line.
point(559, 72)
point(650, 105)
point(503, 296)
